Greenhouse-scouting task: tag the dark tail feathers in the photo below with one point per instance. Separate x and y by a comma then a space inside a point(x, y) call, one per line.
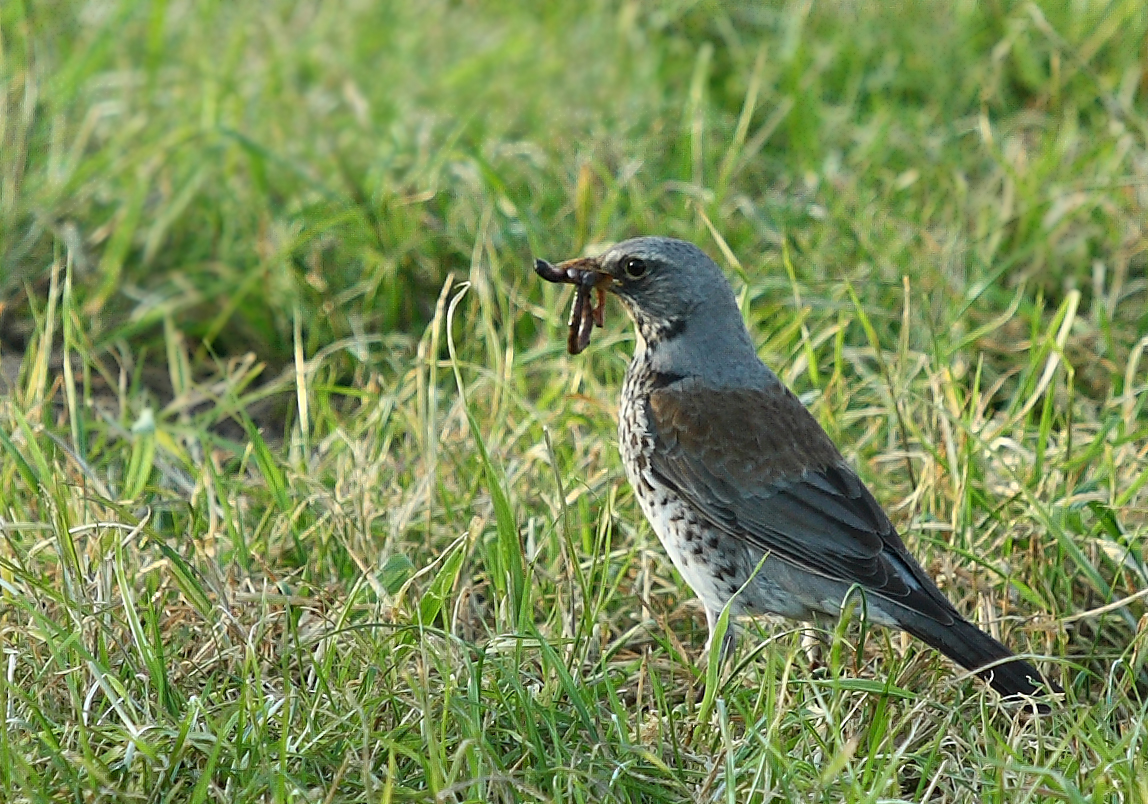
point(973, 649)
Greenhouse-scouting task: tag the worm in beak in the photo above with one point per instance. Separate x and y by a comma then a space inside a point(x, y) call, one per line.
point(585, 313)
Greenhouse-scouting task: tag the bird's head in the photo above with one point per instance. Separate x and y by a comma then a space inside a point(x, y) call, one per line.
point(680, 300)
point(662, 282)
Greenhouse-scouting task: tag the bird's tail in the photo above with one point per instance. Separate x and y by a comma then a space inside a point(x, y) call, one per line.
point(973, 649)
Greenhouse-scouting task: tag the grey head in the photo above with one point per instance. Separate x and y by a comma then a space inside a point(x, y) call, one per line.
point(684, 311)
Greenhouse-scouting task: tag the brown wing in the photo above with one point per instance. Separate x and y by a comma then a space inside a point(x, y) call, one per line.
point(758, 466)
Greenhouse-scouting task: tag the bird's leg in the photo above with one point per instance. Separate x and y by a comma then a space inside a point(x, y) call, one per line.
point(716, 666)
point(813, 644)
point(729, 639)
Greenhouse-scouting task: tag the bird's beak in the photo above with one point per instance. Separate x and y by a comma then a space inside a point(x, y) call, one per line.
point(582, 266)
point(579, 271)
point(587, 275)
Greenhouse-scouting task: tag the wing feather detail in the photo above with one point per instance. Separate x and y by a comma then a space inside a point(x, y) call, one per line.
point(757, 465)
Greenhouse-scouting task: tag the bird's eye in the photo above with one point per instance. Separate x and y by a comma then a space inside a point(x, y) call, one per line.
point(634, 267)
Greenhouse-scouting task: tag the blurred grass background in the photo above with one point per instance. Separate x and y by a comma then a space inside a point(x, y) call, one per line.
point(289, 515)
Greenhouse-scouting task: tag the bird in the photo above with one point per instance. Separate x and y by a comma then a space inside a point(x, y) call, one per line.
point(750, 497)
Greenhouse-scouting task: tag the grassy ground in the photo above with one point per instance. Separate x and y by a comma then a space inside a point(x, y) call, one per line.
point(302, 500)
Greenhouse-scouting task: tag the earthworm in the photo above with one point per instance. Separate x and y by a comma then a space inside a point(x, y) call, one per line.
point(584, 313)
point(578, 317)
point(551, 273)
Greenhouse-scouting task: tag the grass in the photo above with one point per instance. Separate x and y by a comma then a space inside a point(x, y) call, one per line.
point(302, 500)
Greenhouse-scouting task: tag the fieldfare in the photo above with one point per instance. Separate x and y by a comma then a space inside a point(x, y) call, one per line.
point(730, 468)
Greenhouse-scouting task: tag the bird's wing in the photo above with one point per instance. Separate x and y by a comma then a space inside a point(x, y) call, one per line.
point(758, 466)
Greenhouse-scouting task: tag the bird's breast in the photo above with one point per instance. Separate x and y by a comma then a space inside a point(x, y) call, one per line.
point(635, 437)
